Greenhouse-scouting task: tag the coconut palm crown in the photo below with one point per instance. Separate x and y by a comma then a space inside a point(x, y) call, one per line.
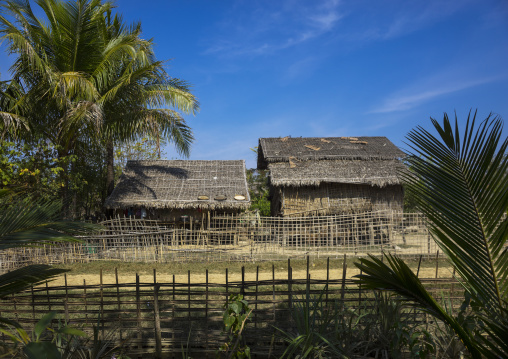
point(87, 78)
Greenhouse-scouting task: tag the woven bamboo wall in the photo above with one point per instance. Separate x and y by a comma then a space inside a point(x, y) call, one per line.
point(337, 198)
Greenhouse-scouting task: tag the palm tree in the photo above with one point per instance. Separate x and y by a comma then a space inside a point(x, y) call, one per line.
point(140, 99)
point(58, 63)
point(460, 184)
point(91, 80)
point(12, 120)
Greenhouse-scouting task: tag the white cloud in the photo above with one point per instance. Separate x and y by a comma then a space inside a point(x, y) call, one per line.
point(378, 21)
point(284, 23)
point(405, 100)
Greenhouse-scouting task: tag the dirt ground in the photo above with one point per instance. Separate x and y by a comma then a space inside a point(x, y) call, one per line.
point(233, 275)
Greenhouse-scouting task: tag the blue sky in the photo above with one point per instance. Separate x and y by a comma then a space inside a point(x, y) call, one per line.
point(326, 68)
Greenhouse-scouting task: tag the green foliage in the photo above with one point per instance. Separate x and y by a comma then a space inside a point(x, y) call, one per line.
point(31, 166)
point(62, 342)
point(381, 328)
point(44, 341)
point(257, 181)
point(236, 313)
point(32, 223)
point(460, 185)
point(312, 335)
point(144, 148)
point(391, 330)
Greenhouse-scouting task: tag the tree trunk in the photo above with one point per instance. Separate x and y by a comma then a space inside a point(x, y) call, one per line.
point(110, 175)
point(64, 191)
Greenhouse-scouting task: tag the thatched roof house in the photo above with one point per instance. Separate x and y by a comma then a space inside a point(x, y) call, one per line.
point(331, 175)
point(182, 185)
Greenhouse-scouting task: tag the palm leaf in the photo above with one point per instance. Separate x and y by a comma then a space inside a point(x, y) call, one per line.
point(23, 278)
point(465, 196)
point(460, 185)
point(24, 223)
point(397, 277)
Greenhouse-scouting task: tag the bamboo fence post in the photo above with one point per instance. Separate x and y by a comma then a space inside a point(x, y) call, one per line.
point(118, 301)
point(157, 318)
point(343, 287)
point(360, 292)
point(138, 312)
point(173, 311)
point(15, 306)
point(47, 297)
point(242, 290)
point(189, 296)
point(256, 300)
point(428, 239)
point(66, 311)
point(308, 264)
point(33, 302)
point(419, 263)
point(227, 286)
point(206, 313)
point(66, 291)
point(86, 304)
point(273, 288)
point(437, 263)
point(355, 224)
point(327, 279)
point(290, 300)
point(102, 303)
point(453, 282)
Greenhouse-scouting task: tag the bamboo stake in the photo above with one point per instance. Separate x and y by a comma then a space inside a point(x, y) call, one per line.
point(343, 287)
point(86, 305)
point(158, 336)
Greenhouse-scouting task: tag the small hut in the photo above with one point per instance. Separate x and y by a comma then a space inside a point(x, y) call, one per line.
point(332, 175)
point(176, 190)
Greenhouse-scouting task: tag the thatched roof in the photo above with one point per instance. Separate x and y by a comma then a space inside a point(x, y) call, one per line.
point(179, 183)
point(311, 161)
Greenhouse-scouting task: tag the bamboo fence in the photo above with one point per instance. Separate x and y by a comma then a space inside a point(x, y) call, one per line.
point(238, 237)
point(164, 319)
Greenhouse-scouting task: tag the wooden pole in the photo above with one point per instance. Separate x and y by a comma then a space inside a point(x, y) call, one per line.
point(419, 263)
point(437, 263)
point(47, 296)
point(206, 314)
point(273, 290)
point(290, 275)
point(173, 310)
point(242, 290)
point(102, 303)
point(33, 302)
point(118, 302)
point(343, 287)
point(227, 286)
point(188, 296)
point(327, 278)
point(158, 336)
point(256, 300)
point(86, 305)
point(138, 311)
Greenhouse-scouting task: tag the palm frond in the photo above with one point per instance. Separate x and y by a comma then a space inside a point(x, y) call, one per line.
point(23, 278)
point(395, 276)
point(465, 196)
point(32, 223)
point(460, 185)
